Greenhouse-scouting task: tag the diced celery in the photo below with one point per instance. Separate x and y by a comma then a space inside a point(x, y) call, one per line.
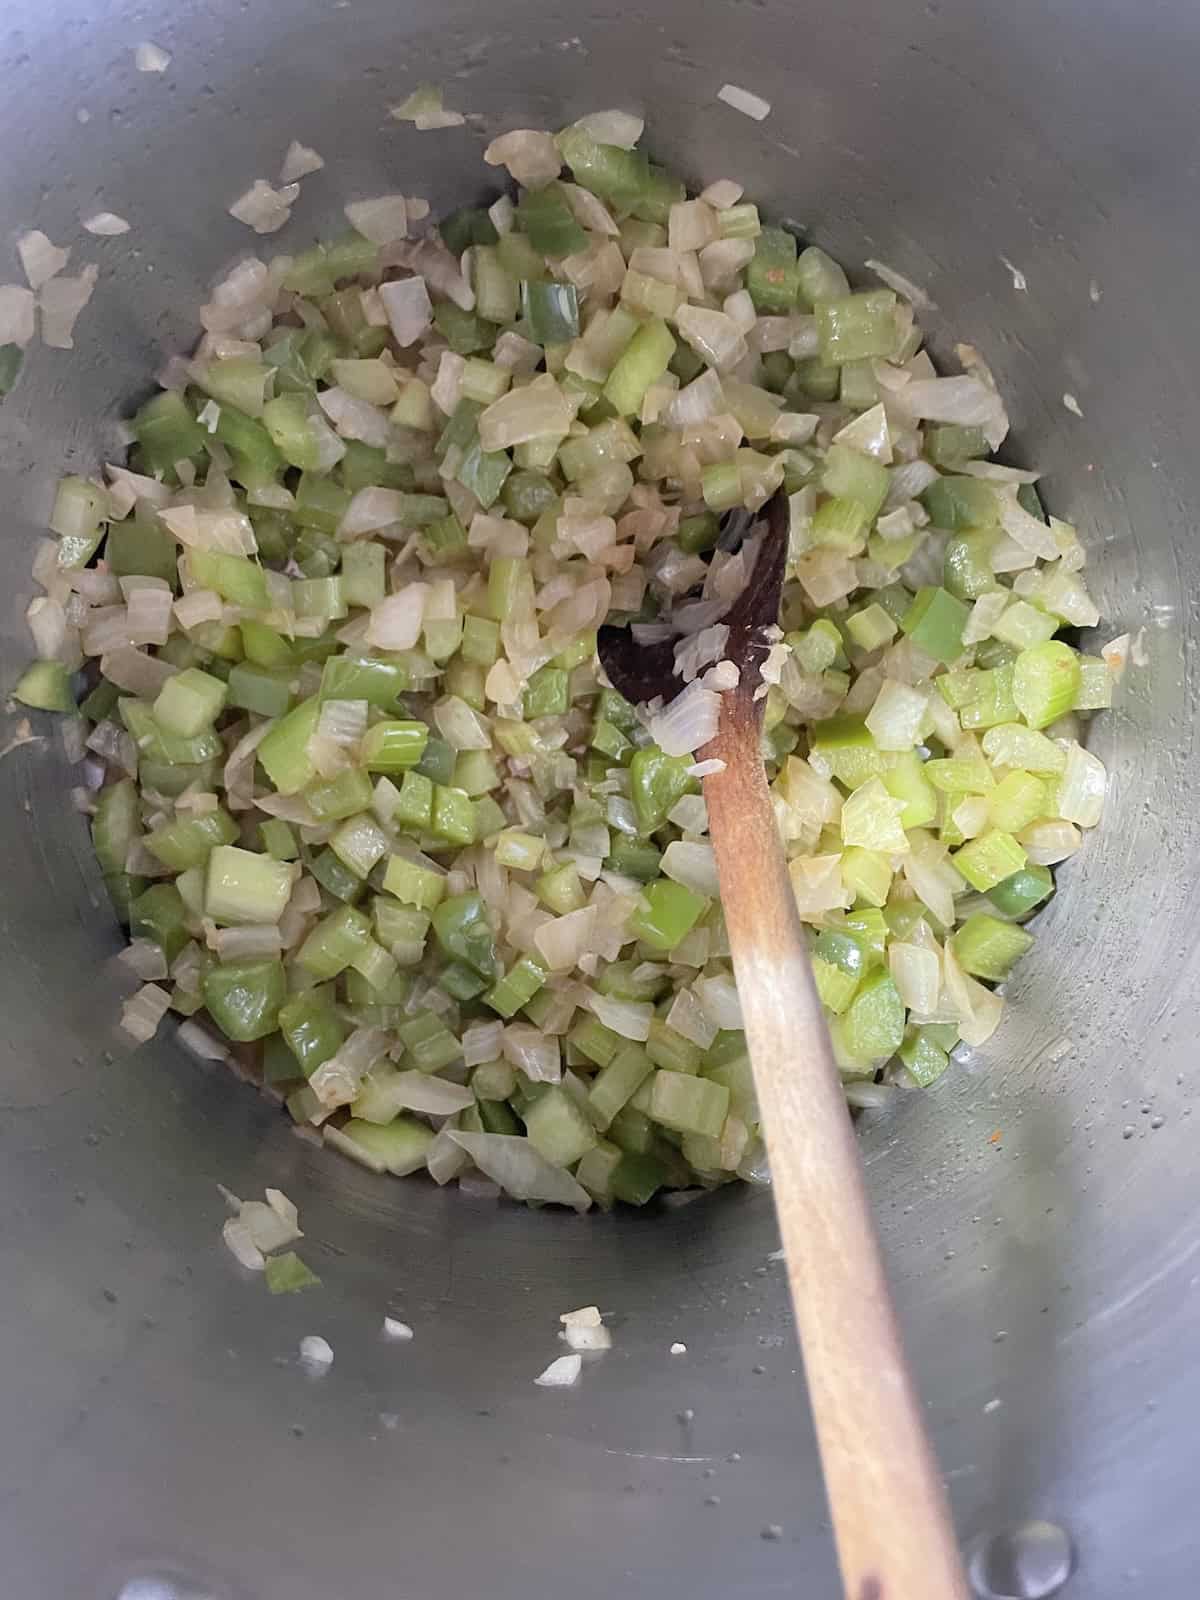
point(334, 942)
point(990, 859)
point(852, 475)
point(332, 799)
point(935, 622)
point(988, 948)
point(666, 913)
point(159, 913)
point(415, 885)
point(283, 754)
point(243, 998)
point(188, 841)
point(957, 503)
point(1046, 682)
point(45, 686)
point(645, 359)
point(517, 987)
point(557, 1128)
point(189, 703)
point(1016, 896)
point(312, 1029)
point(398, 1147)
point(872, 1027)
point(244, 887)
point(1017, 800)
point(688, 1104)
point(924, 1058)
point(857, 326)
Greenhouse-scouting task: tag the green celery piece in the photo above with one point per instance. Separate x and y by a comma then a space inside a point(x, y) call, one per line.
point(393, 746)
point(286, 1274)
point(771, 276)
point(141, 549)
point(464, 932)
point(242, 886)
point(430, 1044)
point(687, 1104)
point(265, 691)
point(333, 799)
point(819, 277)
point(286, 419)
point(263, 646)
point(187, 843)
point(989, 859)
point(312, 1029)
point(368, 678)
point(666, 913)
point(1016, 801)
point(528, 495)
point(872, 1027)
point(1045, 682)
point(517, 987)
point(189, 703)
point(256, 461)
point(634, 860)
point(950, 444)
point(841, 524)
point(159, 913)
point(437, 762)
point(241, 582)
point(483, 472)
point(453, 817)
point(954, 504)
point(853, 475)
point(551, 311)
point(398, 1147)
point(116, 824)
point(857, 326)
point(464, 331)
point(45, 686)
point(365, 466)
point(835, 988)
point(12, 358)
point(617, 176)
point(904, 779)
point(846, 743)
point(336, 877)
point(469, 226)
point(637, 1178)
point(644, 360)
point(617, 1081)
point(598, 1043)
point(278, 840)
point(671, 1050)
point(415, 885)
point(545, 218)
point(334, 943)
point(935, 623)
point(167, 432)
point(988, 948)
point(557, 1128)
point(320, 503)
point(414, 808)
point(243, 998)
point(924, 1058)
point(656, 782)
point(283, 754)
point(547, 694)
point(595, 1172)
point(1017, 895)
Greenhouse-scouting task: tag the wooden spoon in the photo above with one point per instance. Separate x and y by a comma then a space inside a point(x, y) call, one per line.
point(891, 1520)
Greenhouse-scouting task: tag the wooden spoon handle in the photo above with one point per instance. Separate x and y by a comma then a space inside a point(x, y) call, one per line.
point(895, 1538)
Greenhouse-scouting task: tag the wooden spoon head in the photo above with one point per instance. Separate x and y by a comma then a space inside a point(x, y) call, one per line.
point(643, 671)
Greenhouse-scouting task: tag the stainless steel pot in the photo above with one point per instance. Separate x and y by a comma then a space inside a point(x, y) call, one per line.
point(157, 1435)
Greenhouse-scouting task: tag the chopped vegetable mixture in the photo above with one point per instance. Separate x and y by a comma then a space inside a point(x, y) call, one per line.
point(357, 787)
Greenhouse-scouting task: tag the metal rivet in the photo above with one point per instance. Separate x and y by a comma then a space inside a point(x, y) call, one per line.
point(1028, 1561)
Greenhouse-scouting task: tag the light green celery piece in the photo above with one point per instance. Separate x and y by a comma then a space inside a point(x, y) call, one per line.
point(242, 886)
point(45, 686)
point(617, 1082)
point(286, 1274)
point(687, 1104)
point(857, 327)
point(645, 359)
point(415, 885)
point(334, 943)
point(187, 841)
point(990, 859)
point(283, 754)
point(80, 508)
point(189, 703)
point(1045, 682)
point(557, 1128)
point(399, 1147)
point(988, 948)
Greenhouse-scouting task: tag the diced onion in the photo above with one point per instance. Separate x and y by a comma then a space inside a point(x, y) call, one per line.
point(381, 220)
point(143, 1011)
point(263, 207)
point(750, 105)
point(40, 260)
point(531, 157)
point(60, 302)
point(561, 1374)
